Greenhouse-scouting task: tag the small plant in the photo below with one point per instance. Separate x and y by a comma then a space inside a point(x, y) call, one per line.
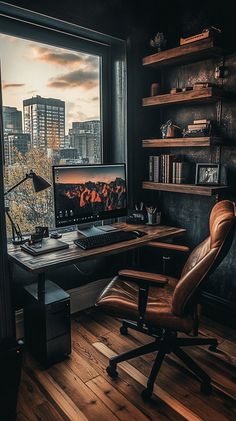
point(158, 41)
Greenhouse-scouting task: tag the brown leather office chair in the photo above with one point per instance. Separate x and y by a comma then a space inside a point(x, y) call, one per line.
point(162, 306)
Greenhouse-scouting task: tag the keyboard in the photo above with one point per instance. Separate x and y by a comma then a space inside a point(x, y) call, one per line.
point(94, 241)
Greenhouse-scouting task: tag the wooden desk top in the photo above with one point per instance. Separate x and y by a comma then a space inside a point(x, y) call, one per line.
point(74, 254)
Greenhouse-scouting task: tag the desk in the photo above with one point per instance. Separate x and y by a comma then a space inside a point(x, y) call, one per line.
point(54, 260)
point(47, 329)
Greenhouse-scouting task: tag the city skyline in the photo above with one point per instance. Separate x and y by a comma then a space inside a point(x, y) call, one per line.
point(67, 75)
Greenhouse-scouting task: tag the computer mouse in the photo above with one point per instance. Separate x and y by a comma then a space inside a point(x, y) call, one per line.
point(139, 233)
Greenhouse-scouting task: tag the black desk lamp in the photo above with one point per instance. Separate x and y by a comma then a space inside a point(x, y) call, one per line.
point(39, 184)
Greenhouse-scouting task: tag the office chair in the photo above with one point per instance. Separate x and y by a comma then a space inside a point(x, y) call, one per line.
point(161, 306)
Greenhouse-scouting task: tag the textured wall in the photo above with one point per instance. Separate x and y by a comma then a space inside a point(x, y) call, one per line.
point(191, 211)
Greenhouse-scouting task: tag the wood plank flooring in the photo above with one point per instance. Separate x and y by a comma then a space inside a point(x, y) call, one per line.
point(80, 389)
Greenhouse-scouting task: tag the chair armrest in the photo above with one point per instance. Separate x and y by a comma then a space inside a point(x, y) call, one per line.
point(154, 279)
point(176, 247)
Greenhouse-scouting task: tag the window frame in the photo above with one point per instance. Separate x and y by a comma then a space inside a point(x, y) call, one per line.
point(26, 24)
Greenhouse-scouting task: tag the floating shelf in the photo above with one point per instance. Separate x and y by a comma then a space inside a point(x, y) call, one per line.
point(182, 142)
point(184, 54)
point(196, 95)
point(185, 188)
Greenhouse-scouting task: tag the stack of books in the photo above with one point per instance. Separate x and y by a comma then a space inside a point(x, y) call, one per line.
point(167, 169)
point(199, 128)
point(202, 85)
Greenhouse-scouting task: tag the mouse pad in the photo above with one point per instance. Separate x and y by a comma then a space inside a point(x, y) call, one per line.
point(48, 245)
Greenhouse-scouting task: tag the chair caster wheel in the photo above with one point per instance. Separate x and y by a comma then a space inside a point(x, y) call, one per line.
point(124, 330)
point(206, 388)
point(111, 371)
point(146, 394)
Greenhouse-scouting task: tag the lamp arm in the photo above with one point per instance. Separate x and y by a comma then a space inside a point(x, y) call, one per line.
point(16, 232)
point(16, 185)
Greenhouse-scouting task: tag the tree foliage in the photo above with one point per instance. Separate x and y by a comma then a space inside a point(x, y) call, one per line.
point(28, 208)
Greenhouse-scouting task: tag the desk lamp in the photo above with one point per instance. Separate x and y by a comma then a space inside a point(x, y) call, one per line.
point(39, 184)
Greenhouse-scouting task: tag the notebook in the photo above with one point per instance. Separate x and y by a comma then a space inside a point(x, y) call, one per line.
point(48, 245)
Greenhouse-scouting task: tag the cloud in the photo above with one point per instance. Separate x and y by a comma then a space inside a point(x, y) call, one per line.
point(12, 85)
point(78, 78)
point(63, 57)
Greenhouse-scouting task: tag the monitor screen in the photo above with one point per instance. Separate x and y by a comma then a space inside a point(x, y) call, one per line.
point(87, 193)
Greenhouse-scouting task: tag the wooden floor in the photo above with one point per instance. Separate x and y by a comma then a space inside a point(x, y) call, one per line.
point(79, 388)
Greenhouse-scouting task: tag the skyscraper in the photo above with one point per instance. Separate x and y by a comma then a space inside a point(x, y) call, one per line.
point(44, 119)
point(14, 142)
point(85, 137)
point(14, 139)
point(12, 120)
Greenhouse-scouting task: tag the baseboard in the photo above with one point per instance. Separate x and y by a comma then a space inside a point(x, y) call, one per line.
point(82, 298)
point(218, 309)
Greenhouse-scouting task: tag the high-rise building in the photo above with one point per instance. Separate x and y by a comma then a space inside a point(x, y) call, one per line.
point(14, 139)
point(85, 136)
point(13, 143)
point(12, 120)
point(44, 120)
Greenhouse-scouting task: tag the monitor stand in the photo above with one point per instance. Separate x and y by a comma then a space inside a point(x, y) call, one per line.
point(89, 230)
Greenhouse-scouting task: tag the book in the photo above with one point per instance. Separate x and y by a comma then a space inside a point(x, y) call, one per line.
point(151, 168)
point(169, 168)
point(162, 169)
point(156, 169)
point(181, 172)
point(194, 38)
point(202, 85)
point(198, 126)
point(202, 121)
point(46, 246)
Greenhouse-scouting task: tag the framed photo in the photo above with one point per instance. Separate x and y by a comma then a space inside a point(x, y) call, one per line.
point(207, 174)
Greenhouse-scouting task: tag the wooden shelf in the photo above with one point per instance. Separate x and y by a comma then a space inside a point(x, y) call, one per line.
point(178, 142)
point(184, 54)
point(185, 188)
point(195, 95)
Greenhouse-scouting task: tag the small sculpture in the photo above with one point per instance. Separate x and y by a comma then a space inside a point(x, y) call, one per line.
point(158, 41)
point(169, 130)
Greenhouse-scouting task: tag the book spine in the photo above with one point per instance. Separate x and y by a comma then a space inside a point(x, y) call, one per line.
point(151, 168)
point(156, 169)
point(162, 168)
point(197, 126)
point(174, 172)
point(203, 121)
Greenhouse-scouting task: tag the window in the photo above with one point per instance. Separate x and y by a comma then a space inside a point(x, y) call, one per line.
point(56, 94)
point(64, 96)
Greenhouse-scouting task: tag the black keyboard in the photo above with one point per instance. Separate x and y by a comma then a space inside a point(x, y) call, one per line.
point(105, 239)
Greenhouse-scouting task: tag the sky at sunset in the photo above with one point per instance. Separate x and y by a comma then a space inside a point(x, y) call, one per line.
point(105, 174)
point(29, 68)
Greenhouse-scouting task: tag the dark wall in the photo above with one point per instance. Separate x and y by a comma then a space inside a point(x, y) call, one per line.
point(183, 19)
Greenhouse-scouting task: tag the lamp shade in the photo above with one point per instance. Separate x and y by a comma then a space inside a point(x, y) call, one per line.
point(39, 182)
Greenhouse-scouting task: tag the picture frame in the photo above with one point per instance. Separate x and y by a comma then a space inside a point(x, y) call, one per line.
point(207, 174)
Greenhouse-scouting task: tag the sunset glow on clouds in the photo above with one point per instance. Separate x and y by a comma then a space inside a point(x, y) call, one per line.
point(30, 68)
point(105, 174)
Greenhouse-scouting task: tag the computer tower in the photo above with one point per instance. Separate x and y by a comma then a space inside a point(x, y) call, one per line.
point(47, 323)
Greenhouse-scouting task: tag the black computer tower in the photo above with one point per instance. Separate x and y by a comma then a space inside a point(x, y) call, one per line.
point(47, 323)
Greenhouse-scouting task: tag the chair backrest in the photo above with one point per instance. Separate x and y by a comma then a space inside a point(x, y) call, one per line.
point(205, 257)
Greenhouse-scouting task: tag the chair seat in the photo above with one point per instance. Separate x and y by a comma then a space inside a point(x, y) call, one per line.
point(121, 298)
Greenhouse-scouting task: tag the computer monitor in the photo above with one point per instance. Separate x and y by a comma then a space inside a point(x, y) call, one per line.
point(89, 193)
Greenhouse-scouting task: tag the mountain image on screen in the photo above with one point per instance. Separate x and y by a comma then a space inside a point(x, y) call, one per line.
point(92, 196)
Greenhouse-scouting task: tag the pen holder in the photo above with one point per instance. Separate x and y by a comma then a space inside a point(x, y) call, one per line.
point(154, 218)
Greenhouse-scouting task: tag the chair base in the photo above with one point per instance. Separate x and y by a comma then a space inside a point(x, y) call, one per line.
point(165, 343)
